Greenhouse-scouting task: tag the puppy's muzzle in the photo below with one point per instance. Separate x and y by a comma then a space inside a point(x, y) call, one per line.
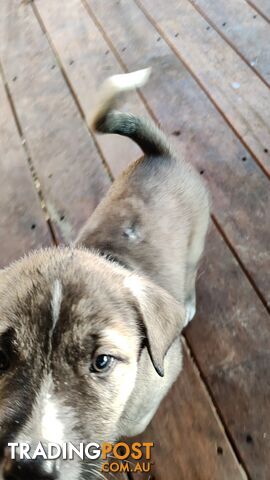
point(38, 469)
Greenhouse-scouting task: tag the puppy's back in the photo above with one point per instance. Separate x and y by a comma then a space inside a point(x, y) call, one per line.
point(156, 208)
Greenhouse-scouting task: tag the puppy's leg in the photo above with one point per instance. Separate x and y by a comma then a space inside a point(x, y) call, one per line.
point(196, 246)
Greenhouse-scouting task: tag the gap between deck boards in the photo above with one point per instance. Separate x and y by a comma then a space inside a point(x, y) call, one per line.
point(33, 172)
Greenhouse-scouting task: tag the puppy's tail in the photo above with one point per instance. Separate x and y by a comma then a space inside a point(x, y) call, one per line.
point(107, 120)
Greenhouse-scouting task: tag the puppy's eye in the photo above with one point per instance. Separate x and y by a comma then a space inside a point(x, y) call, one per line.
point(102, 363)
point(4, 362)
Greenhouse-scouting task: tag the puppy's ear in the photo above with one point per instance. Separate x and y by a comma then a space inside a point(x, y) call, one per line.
point(163, 317)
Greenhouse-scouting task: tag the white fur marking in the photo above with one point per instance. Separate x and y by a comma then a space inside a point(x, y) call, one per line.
point(45, 423)
point(134, 284)
point(190, 312)
point(51, 427)
point(56, 301)
point(115, 85)
point(126, 81)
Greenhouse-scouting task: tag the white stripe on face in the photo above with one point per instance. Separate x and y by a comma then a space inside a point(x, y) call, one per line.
point(45, 424)
point(52, 429)
point(56, 302)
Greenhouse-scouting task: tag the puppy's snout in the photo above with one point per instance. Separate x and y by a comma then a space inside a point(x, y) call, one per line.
point(37, 469)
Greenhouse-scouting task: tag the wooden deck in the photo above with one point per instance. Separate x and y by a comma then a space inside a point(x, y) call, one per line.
point(209, 90)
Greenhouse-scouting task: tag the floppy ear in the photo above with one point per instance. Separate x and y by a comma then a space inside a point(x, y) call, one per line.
point(162, 315)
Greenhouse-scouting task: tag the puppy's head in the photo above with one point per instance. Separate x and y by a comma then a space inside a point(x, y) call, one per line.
point(72, 326)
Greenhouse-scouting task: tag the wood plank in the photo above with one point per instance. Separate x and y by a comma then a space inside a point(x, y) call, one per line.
point(240, 190)
point(247, 31)
point(22, 221)
point(82, 50)
point(222, 73)
point(262, 6)
point(189, 442)
point(72, 176)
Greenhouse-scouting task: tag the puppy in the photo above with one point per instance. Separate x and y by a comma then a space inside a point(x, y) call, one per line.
point(90, 334)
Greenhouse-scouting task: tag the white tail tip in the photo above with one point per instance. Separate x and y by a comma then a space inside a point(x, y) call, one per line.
point(127, 81)
point(114, 86)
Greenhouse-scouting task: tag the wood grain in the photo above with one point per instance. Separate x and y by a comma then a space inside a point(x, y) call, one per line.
point(225, 77)
point(22, 221)
point(88, 60)
point(246, 31)
point(71, 173)
point(240, 190)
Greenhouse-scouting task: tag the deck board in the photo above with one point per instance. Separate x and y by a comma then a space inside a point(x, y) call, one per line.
point(230, 83)
point(246, 31)
point(22, 223)
point(52, 126)
point(230, 338)
point(262, 7)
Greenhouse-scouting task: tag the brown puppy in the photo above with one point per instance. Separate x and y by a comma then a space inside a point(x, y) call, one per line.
point(89, 337)
point(155, 216)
